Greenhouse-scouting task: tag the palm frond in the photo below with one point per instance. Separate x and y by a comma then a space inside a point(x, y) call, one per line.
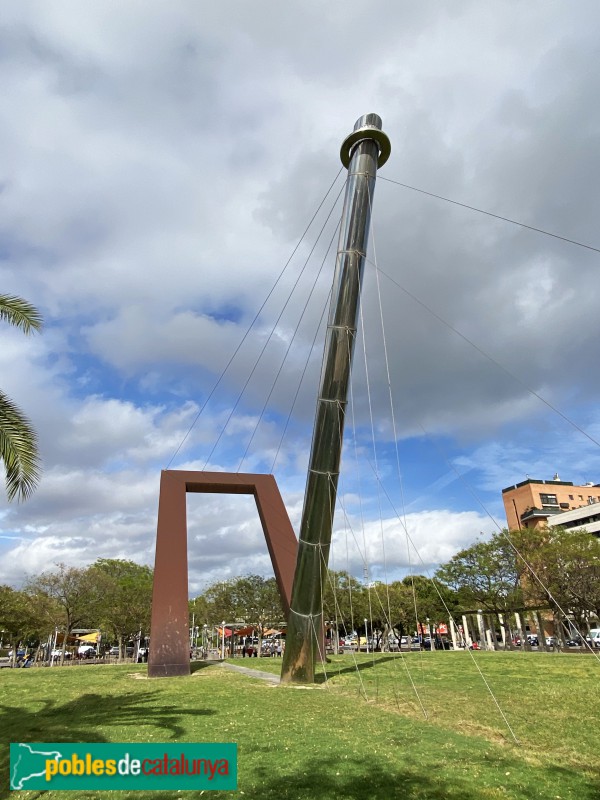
point(18, 450)
point(20, 313)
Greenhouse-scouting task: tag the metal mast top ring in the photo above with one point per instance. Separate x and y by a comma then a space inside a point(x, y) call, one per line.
point(367, 127)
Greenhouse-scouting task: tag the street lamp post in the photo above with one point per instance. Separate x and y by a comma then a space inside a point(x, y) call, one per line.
point(223, 641)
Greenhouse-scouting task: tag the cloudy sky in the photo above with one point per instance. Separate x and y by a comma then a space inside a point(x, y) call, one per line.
point(159, 166)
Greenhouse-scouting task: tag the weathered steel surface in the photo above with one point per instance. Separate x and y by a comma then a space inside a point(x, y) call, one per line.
point(169, 634)
point(361, 151)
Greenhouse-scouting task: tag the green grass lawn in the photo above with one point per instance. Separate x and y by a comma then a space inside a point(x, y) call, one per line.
point(329, 741)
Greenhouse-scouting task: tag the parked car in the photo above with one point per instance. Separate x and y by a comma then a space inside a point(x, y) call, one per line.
point(114, 651)
point(594, 637)
point(86, 651)
point(57, 653)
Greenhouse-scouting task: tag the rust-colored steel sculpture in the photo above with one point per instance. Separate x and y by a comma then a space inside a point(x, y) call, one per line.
point(169, 642)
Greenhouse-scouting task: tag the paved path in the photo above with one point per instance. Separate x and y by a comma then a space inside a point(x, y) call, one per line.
point(252, 673)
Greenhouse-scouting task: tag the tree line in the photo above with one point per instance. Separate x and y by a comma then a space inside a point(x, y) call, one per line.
point(111, 595)
point(549, 568)
point(512, 571)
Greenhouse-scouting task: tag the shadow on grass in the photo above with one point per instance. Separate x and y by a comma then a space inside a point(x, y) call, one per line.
point(198, 665)
point(68, 722)
point(378, 780)
point(354, 667)
point(332, 669)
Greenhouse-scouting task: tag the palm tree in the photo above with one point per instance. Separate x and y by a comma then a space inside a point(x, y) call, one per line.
point(18, 440)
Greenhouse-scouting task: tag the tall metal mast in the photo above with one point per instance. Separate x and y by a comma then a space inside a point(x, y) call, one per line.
point(366, 148)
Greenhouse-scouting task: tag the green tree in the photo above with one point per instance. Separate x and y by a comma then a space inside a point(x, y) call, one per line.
point(122, 598)
point(251, 599)
point(67, 593)
point(431, 597)
point(561, 568)
point(198, 608)
point(485, 575)
point(388, 608)
point(17, 621)
point(18, 440)
point(47, 613)
point(345, 601)
point(258, 601)
point(220, 602)
point(396, 605)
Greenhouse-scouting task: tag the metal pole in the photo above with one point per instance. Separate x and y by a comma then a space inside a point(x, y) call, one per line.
point(366, 148)
point(480, 626)
point(54, 646)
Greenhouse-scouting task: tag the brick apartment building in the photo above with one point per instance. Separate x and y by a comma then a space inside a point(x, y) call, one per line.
point(533, 503)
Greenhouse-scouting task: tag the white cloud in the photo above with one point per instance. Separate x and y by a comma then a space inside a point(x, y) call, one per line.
point(418, 542)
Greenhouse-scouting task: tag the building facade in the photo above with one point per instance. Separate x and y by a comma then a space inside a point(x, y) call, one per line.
point(533, 503)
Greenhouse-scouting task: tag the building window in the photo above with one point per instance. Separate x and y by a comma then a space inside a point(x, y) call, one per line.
point(548, 499)
point(571, 497)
